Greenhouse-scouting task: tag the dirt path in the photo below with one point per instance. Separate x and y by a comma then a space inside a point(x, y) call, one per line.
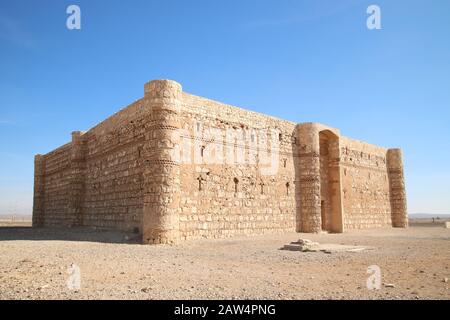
point(34, 263)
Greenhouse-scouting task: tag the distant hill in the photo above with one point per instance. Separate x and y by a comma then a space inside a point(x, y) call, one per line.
point(428, 216)
point(17, 216)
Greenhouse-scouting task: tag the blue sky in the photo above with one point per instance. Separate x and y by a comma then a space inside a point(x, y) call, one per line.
point(298, 60)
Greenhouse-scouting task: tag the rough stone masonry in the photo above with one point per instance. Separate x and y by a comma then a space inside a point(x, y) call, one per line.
point(174, 166)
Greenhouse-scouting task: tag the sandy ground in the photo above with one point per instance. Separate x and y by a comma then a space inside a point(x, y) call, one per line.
point(34, 265)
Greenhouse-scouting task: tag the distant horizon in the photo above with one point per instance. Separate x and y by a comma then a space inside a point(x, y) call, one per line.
point(409, 214)
point(303, 61)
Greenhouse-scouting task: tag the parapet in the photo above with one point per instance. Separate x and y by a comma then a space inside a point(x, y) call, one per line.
point(394, 159)
point(163, 91)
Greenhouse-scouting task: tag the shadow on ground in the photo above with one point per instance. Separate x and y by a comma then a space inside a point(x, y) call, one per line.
point(11, 233)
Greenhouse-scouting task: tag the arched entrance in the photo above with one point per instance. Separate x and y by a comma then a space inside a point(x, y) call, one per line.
point(330, 182)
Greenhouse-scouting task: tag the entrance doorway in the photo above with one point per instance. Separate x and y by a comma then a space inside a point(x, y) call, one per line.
point(330, 182)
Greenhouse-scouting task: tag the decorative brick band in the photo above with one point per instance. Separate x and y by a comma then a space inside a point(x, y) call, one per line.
point(162, 161)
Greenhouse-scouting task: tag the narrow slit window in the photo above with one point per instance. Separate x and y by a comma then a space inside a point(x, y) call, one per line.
point(200, 183)
point(202, 149)
point(236, 182)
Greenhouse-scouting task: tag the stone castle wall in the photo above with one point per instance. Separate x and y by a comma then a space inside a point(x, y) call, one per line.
point(174, 166)
point(96, 179)
point(366, 192)
point(52, 188)
point(223, 199)
point(113, 184)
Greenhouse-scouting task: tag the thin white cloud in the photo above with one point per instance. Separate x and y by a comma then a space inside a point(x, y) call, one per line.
point(7, 122)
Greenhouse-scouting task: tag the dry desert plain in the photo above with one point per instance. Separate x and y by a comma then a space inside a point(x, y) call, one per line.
point(414, 264)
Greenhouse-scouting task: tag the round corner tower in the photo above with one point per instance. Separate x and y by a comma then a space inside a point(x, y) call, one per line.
point(162, 166)
point(397, 188)
point(309, 210)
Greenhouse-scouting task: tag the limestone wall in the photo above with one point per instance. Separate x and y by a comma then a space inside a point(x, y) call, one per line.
point(224, 199)
point(96, 180)
point(114, 166)
point(366, 195)
point(55, 188)
point(174, 166)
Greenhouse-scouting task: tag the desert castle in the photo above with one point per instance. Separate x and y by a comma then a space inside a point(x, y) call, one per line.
point(174, 166)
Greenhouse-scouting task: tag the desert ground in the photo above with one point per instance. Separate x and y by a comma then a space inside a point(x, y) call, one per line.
point(34, 264)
